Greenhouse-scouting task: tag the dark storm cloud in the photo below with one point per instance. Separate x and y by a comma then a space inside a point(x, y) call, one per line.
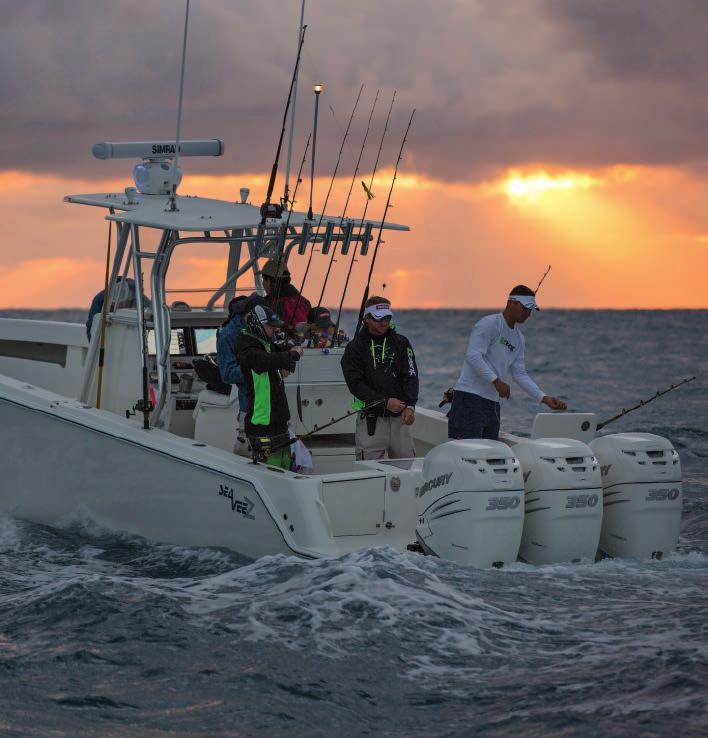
point(565, 82)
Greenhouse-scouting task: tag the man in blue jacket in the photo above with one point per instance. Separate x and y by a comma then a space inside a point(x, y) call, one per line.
point(226, 339)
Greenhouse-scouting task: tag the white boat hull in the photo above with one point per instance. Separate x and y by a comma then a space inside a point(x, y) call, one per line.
point(59, 457)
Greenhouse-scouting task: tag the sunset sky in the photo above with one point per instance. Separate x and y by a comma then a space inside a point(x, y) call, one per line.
point(560, 132)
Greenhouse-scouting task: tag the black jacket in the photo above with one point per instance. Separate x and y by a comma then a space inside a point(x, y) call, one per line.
point(376, 367)
point(261, 364)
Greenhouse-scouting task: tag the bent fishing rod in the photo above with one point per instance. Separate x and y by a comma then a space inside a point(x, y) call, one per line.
point(319, 428)
point(369, 198)
point(269, 210)
point(383, 220)
point(642, 403)
point(324, 207)
point(346, 202)
point(542, 280)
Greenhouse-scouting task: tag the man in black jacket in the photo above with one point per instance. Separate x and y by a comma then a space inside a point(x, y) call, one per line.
point(263, 368)
point(379, 365)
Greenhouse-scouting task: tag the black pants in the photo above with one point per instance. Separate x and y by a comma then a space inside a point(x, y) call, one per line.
point(472, 416)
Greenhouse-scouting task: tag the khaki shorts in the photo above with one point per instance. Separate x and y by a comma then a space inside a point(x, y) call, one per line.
point(391, 435)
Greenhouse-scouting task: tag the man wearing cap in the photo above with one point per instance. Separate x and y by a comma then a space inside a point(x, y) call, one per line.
point(495, 353)
point(287, 302)
point(320, 327)
point(263, 365)
point(380, 370)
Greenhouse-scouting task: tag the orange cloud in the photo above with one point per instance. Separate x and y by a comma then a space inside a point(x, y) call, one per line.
point(619, 237)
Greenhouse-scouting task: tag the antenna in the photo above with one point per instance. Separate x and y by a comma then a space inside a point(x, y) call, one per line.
point(317, 90)
point(324, 207)
point(173, 203)
point(286, 192)
point(268, 210)
point(369, 197)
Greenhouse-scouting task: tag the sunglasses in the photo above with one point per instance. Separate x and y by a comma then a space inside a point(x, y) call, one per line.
point(385, 319)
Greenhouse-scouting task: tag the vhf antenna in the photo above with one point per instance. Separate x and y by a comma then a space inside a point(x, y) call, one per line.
point(365, 297)
point(369, 197)
point(173, 202)
point(324, 207)
point(349, 194)
point(268, 209)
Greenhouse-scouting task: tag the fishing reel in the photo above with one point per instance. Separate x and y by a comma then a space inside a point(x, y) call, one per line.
point(284, 342)
point(140, 407)
point(271, 210)
point(447, 397)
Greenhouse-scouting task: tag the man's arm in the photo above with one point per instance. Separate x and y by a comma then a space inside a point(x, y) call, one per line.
point(259, 360)
point(478, 345)
point(521, 377)
point(226, 356)
point(408, 371)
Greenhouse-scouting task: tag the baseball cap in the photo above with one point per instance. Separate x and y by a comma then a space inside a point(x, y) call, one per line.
point(321, 317)
point(265, 315)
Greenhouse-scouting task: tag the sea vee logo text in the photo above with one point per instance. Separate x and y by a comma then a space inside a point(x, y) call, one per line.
point(242, 507)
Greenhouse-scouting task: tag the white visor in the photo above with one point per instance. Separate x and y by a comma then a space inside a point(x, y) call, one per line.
point(381, 310)
point(528, 301)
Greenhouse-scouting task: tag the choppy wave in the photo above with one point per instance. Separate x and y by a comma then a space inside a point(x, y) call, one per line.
point(106, 633)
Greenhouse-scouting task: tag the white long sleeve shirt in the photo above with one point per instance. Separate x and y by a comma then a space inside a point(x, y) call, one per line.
point(495, 351)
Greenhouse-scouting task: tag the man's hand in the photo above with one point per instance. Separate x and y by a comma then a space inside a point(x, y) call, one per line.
point(284, 373)
point(297, 352)
point(554, 403)
point(408, 416)
point(502, 388)
point(394, 405)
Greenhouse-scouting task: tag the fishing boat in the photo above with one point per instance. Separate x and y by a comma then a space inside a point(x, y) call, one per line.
point(123, 428)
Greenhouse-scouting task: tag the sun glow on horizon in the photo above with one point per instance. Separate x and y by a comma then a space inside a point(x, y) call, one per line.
point(531, 187)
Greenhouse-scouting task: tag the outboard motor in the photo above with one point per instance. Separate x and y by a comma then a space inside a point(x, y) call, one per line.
point(563, 499)
point(641, 478)
point(471, 503)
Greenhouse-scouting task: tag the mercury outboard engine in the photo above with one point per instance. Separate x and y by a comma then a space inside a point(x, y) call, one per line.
point(563, 499)
point(641, 478)
point(471, 503)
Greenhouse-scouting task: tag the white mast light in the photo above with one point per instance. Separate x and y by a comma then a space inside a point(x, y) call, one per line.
point(157, 149)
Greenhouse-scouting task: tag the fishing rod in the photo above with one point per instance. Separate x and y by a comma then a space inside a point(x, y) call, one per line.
point(262, 449)
point(349, 194)
point(281, 242)
point(383, 220)
point(288, 159)
point(545, 274)
point(324, 207)
point(269, 210)
point(641, 403)
point(369, 197)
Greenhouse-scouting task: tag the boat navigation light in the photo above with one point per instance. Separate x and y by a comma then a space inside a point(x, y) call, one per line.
point(318, 89)
point(156, 177)
point(244, 192)
point(157, 149)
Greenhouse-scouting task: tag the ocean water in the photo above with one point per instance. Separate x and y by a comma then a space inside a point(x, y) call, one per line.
point(107, 634)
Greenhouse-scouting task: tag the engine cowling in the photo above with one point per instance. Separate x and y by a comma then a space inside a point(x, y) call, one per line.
point(563, 499)
point(643, 495)
point(471, 503)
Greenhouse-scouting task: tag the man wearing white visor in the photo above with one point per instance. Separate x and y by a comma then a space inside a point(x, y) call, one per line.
point(495, 353)
point(380, 370)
